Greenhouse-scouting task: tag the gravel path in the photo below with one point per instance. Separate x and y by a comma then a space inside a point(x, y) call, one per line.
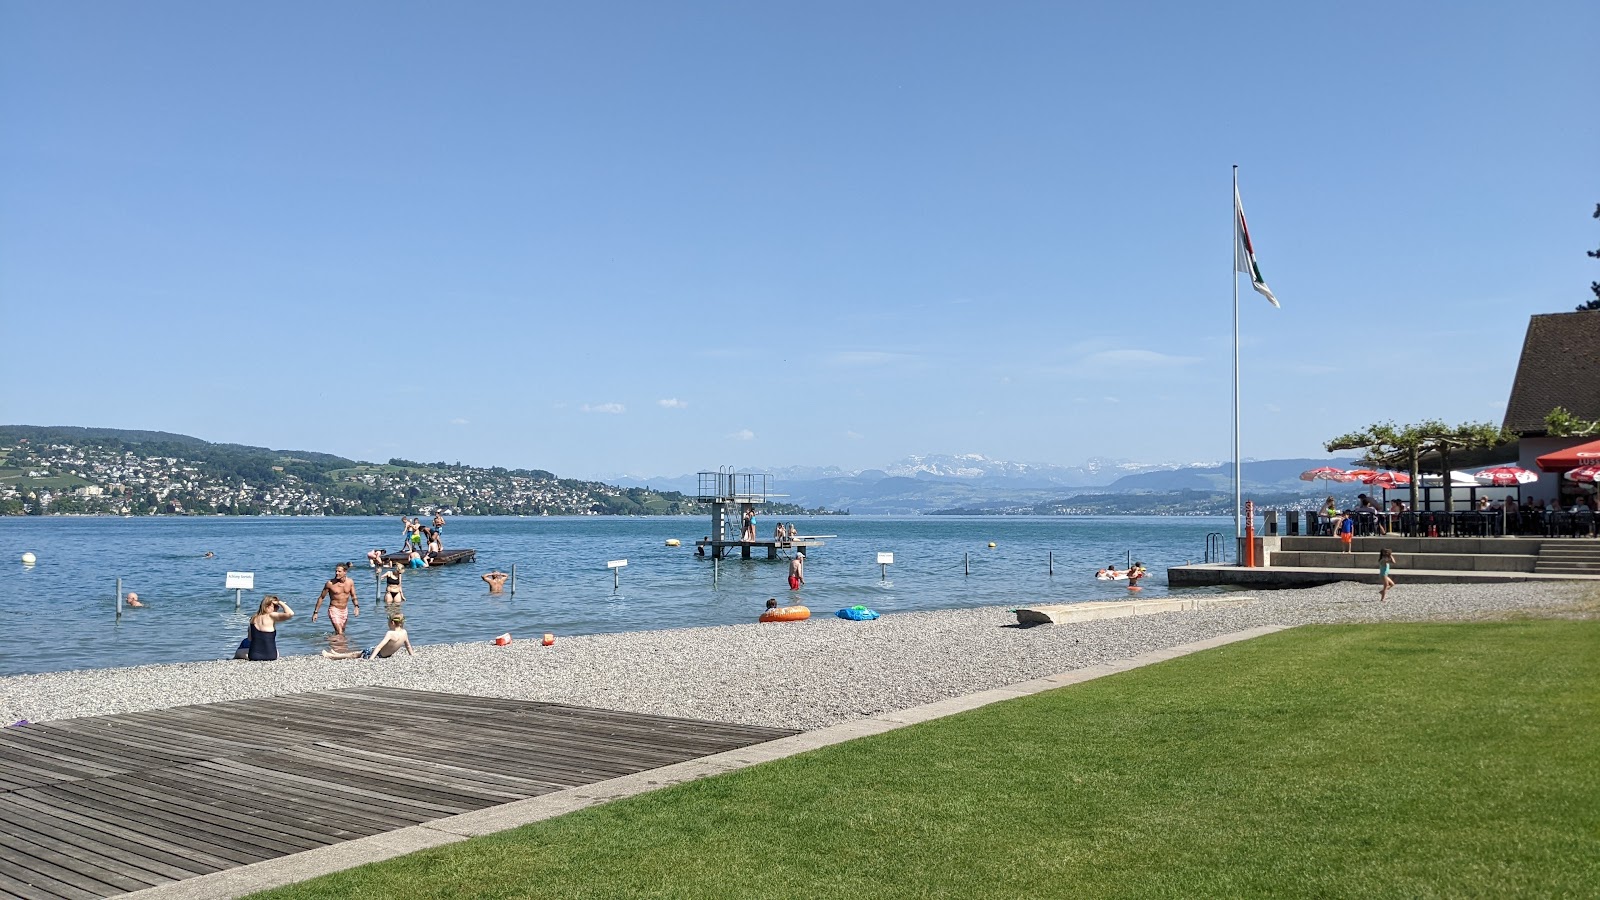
point(793, 675)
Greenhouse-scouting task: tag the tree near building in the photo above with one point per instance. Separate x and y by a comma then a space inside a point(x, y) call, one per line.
point(1390, 446)
point(1561, 423)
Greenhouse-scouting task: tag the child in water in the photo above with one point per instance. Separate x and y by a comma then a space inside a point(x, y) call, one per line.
point(1385, 560)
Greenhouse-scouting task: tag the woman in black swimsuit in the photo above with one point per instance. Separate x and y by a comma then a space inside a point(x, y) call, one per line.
point(392, 592)
point(264, 627)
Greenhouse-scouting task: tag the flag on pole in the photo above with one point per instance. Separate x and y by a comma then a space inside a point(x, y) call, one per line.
point(1244, 253)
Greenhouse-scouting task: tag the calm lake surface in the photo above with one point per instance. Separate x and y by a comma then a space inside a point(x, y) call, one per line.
point(61, 612)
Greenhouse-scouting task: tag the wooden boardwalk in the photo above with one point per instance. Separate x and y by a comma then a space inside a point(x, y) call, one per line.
point(103, 805)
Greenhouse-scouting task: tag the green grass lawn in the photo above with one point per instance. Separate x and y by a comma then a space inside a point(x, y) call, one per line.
point(1428, 760)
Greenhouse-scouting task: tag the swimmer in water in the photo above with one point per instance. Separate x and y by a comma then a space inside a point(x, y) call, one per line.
point(209, 555)
point(133, 599)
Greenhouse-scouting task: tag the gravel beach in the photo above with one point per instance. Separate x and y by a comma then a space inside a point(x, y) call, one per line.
point(792, 675)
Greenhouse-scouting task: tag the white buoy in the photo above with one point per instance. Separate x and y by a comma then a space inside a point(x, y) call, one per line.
point(29, 559)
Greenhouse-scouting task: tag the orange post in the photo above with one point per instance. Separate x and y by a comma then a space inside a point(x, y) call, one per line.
point(1249, 534)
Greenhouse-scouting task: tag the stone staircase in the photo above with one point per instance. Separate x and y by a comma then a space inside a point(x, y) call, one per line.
point(1568, 557)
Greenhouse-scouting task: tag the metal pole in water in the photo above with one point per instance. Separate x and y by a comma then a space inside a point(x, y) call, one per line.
point(1128, 561)
point(966, 567)
point(119, 598)
point(1052, 564)
point(238, 597)
point(513, 579)
point(614, 580)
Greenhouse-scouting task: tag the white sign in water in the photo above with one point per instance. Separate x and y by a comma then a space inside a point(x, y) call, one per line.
point(616, 563)
point(241, 581)
point(885, 559)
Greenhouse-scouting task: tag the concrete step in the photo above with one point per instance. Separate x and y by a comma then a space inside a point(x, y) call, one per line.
point(1468, 562)
point(1566, 570)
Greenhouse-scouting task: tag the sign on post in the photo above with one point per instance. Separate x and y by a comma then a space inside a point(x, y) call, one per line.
point(615, 566)
point(239, 582)
point(885, 560)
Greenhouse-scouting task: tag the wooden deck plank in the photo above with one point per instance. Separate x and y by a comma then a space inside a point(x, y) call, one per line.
point(23, 889)
point(305, 812)
point(383, 784)
point(57, 869)
point(197, 860)
point(42, 886)
point(153, 796)
point(436, 780)
point(337, 805)
point(94, 806)
point(99, 844)
point(162, 828)
point(47, 857)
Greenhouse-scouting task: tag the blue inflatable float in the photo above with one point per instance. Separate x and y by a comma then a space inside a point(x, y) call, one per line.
point(858, 613)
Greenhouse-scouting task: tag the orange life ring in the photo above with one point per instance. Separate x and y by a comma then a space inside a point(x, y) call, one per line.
point(786, 614)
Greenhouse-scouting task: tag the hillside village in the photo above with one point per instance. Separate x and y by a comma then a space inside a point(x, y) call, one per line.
point(108, 476)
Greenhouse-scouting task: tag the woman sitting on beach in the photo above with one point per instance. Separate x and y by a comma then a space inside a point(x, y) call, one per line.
point(395, 638)
point(264, 628)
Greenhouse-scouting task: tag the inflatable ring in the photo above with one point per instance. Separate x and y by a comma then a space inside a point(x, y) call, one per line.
point(857, 613)
point(786, 614)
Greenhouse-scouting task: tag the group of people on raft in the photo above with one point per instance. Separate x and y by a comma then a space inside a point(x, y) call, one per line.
point(419, 542)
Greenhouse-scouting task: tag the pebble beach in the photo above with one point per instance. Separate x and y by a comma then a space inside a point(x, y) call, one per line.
point(800, 675)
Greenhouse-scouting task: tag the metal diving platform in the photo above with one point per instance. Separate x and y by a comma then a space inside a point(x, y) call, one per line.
point(726, 490)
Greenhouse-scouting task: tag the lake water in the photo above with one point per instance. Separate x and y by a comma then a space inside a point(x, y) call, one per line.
point(61, 612)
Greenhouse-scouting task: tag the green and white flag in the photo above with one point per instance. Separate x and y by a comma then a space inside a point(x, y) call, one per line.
point(1244, 253)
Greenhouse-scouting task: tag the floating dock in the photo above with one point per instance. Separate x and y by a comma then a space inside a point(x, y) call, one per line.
point(443, 558)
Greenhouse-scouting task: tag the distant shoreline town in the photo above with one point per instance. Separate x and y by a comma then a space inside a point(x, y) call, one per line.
point(83, 471)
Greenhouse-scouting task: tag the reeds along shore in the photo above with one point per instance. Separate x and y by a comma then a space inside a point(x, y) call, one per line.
point(830, 670)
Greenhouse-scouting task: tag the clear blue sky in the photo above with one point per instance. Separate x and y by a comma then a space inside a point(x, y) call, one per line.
point(658, 237)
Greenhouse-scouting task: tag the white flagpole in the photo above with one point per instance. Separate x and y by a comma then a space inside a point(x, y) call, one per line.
point(1233, 268)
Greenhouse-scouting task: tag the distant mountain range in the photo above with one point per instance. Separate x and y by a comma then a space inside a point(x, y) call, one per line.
point(971, 482)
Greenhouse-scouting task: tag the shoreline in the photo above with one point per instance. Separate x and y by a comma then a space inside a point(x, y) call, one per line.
point(800, 675)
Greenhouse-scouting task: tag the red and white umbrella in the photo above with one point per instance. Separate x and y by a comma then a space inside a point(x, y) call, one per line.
point(1387, 480)
point(1327, 473)
point(1362, 475)
point(1505, 476)
point(1588, 474)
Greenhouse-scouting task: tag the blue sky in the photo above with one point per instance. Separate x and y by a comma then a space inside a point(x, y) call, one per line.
point(654, 238)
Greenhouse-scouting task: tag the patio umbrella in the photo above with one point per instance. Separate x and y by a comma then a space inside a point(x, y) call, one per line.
point(1581, 455)
point(1387, 480)
point(1506, 476)
point(1457, 479)
point(1327, 473)
point(1586, 474)
point(1362, 475)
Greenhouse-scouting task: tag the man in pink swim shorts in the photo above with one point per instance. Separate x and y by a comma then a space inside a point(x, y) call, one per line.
point(340, 592)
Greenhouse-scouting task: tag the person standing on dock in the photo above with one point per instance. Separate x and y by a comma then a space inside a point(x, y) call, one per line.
point(438, 521)
point(749, 531)
point(797, 572)
point(340, 592)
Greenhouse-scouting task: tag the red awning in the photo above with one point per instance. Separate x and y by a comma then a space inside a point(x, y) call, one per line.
point(1571, 458)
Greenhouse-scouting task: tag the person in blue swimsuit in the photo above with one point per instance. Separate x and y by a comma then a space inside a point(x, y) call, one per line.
point(1385, 560)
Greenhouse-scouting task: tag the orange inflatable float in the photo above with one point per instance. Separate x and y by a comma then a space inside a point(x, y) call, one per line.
point(786, 614)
